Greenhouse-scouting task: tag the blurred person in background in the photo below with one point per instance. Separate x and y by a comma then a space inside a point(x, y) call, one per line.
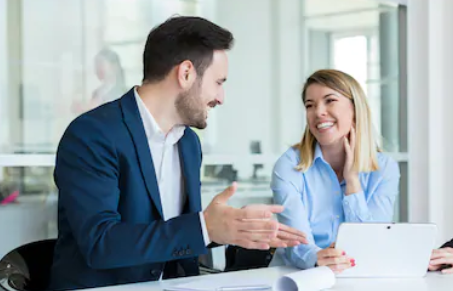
point(111, 75)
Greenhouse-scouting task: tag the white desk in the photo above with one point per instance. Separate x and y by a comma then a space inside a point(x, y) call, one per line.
point(433, 281)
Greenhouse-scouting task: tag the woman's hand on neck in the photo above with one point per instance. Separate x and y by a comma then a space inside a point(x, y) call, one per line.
point(335, 155)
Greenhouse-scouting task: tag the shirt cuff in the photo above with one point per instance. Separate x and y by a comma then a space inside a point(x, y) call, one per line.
point(312, 257)
point(303, 256)
point(207, 241)
point(355, 205)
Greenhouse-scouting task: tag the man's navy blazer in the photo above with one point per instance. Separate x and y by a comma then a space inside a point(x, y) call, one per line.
point(110, 223)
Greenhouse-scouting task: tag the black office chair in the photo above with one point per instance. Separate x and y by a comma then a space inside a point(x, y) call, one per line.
point(27, 268)
point(239, 259)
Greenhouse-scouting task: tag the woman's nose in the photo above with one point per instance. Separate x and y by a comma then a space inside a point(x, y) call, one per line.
point(320, 110)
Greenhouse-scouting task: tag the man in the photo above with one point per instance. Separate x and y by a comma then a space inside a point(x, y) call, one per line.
point(128, 172)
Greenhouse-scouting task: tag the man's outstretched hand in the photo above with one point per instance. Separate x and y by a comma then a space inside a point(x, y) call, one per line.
point(250, 227)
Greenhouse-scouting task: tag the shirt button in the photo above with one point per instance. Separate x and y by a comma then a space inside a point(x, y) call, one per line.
point(337, 217)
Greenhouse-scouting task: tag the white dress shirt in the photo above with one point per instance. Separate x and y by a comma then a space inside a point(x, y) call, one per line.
point(165, 154)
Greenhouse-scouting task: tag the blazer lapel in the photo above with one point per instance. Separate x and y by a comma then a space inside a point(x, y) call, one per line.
point(190, 160)
point(134, 123)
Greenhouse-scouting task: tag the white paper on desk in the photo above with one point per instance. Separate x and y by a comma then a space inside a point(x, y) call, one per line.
point(205, 283)
point(307, 280)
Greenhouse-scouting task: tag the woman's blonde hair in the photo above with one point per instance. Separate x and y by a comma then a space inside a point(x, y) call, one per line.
point(366, 148)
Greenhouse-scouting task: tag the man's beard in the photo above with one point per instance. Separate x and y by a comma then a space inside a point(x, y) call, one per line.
point(190, 107)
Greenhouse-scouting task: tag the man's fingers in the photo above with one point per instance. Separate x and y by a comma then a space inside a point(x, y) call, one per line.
point(277, 243)
point(293, 243)
point(275, 208)
point(439, 261)
point(247, 244)
point(258, 225)
point(283, 235)
point(291, 230)
point(438, 256)
point(447, 271)
point(260, 236)
point(433, 268)
point(223, 197)
point(252, 213)
point(441, 253)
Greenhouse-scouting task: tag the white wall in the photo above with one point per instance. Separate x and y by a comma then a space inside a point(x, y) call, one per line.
point(430, 71)
point(265, 78)
point(249, 86)
point(53, 62)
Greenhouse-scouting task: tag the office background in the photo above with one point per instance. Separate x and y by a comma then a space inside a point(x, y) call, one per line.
point(398, 50)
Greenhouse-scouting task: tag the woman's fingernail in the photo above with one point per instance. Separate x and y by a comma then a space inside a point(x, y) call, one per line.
point(344, 253)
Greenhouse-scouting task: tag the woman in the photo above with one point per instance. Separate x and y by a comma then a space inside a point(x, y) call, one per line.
point(335, 174)
point(442, 259)
point(110, 74)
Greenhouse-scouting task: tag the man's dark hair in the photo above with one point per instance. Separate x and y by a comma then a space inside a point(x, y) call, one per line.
point(179, 39)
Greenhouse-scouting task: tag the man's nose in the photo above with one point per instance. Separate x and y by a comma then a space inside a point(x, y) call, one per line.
point(220, 98)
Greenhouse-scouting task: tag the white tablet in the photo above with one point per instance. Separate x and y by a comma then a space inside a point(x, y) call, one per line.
point(387, 249)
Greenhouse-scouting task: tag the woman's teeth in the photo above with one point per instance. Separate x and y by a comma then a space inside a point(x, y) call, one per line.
point(324, 125)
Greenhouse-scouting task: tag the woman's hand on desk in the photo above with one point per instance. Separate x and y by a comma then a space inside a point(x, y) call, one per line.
point(442, 259)
point(335, 259)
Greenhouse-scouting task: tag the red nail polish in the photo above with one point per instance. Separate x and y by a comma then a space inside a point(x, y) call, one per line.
point(353, 264)
point(344, 253)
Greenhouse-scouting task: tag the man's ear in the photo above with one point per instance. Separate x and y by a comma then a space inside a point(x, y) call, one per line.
point(186, 74)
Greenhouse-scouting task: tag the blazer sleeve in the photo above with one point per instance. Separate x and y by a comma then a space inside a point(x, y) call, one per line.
point(87, 176)
point(448, 244)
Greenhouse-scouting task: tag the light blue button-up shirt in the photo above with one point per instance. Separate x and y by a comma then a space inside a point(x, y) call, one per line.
point(315, 203)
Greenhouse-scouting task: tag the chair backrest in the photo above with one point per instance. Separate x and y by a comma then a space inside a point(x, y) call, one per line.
point(239, 259)
point(28, 266)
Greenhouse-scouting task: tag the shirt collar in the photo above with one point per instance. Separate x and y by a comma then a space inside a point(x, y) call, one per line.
point(318, 153)
point(152, 129)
